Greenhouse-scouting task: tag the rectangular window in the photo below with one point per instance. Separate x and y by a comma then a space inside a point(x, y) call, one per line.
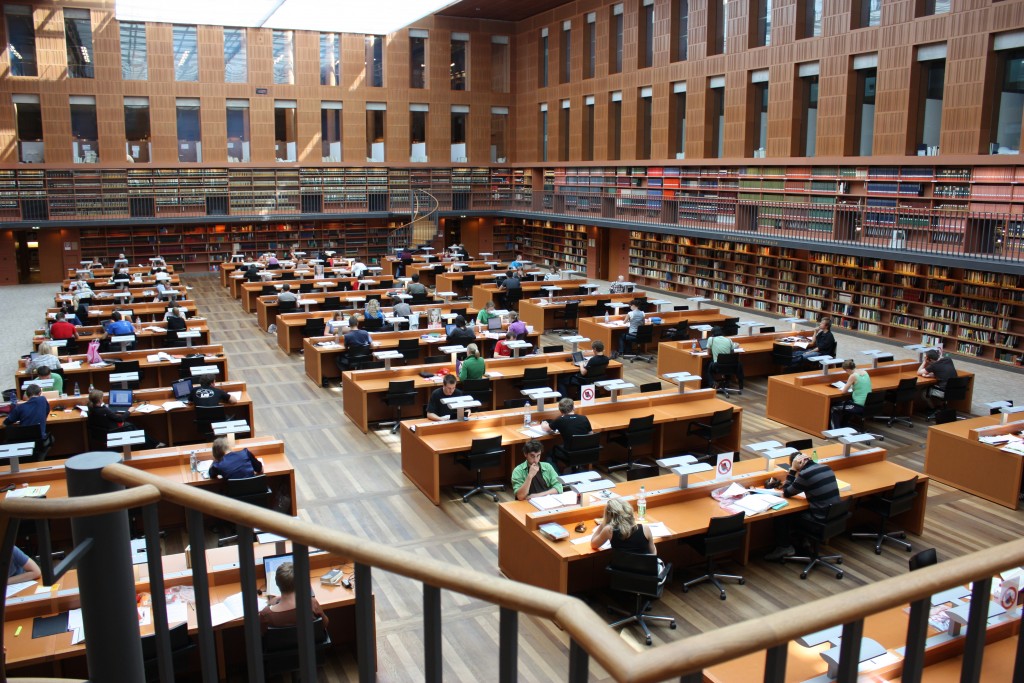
point(931, 89)
point(417, 59)
point(677, 121)
point(1008, 107)
point(499, 135)
point(459, 124)
point(137, 134)
point(615, 40)
point(284, 57)
point(808, 133)
point(544, 58)
point(330, 59)
point(78, 43)
point(762, 35)
point(459, 64)
point(238, 131)
point(758, 135)
point(236, 62)
point(186, 57)
point(811, 17)
point(615, 126)
point(330, 132)
point(588, 129)
point(564, 124)
point(543, 128)
point(680, 30)
point(717, 19)
point(374, 55)
point(866, 13)
point(190, 141)
point(927, 8)
point(418, 133)
point(29, 123)
point(590, 45)
point(500, 64)
point(646, 51)
point(566, 50)
point(85, 147)
point(285, 137)
point(21, 40)
point(644, 114)
point(133, 52)
point(716, 117)
point(864, 122)
point(375, 120)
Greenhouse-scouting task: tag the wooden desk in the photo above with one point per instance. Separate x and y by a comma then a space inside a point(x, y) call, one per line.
point(149, 311)
point(152, 374)
point(248, 292)
point(524, 555)
point(490, 292)
point(955, 456)
point(146, 339)
point(804, 400)
point(266, 305)
point(148, 281)
point(756, 357)
point(610, 332)
point(540, 311)
point(427, 452)
point(140, 294)
point(362, 389)
point(99, 273)
point(70, 427)
point(452, 282)
point(431, 278)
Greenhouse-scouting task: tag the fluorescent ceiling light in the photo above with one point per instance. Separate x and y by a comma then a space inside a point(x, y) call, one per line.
point(379, 17)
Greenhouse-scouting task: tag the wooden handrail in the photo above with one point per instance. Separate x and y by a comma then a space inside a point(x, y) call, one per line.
point(69, 508)
point(581, 622)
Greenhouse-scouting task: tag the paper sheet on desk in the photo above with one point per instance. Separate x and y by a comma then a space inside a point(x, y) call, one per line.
point(840, 384)
point(536, 432)
point(999, 438)
point(734, 491)
point(177, 612)
point(18, 587)
point(171, 405)
point(493, 373)
point(586, 539)
point(73, 365)
point(145, 408)
point(1016, 447)
point(659, 530)
point(156, 328)
point(755, 503)
point(29, 492)
point(237, 395)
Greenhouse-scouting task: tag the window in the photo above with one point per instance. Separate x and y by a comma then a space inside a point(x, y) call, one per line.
point(643, 123)
point(615, 40)
point(330, 59)
point(78, 42)
point(137, 134)
point(864, 113)
point(680, 30)
point(931, 75)
point(564, 125)
point(28, 120)
point(566, 49)
point(717, 21)
point(418, 133)
point(543, 128)
point(330, 132)
point(375, 120)
point(375, 61)
point(190, 147)
point(866, 13)
point(500, 66)
point(544, 57)
point(499, 135)
point(811, 18)
point(588, 128)
point(1008, 104)
point(236, 69)
point(615, 126)
point(285, 137)
point(646, 51)
point(238, 131)
point(807, 84)
point(677, 121)
point(459, 125)
point(133, 52)
point(417, 58)
point(762, 35)
point(716, 118)
point(284, 57)
point(186, 58)
point(459, 64)
point(590, 45)
point(758, 123)
point(926, 8)
point(85, 148)
point(21, 40)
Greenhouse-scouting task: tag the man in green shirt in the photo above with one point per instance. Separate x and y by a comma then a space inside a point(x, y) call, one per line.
point(486, 313)
point(717, 345)
point(533, 477)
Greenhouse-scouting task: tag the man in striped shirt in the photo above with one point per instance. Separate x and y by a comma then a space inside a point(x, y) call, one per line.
point(819, 483)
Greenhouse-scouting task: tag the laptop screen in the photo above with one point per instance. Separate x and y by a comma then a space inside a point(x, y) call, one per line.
point(120, 398)
point(182, 389)
point(704, 344)
point(448, 328)
point(577, 356)
point(494, 323)
point(270, 565)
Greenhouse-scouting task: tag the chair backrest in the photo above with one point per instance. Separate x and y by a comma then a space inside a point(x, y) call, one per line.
point(645, 334)
point(722, 418)
point(408, 344)
point(650, 386)
point(681, 307)
point(835, 520)
point(531, 374)
point(287, 306)
point(481, 446)
point(635, 573)
point(901, 498)
point(17, 433)
point(187, 363)
point(727, 363)
point(314, 327)
point(252, 490)
point(281, 645)
point(358, 354)
point(729, 327)
point(956, 388)
point(305, 287)
point(766, 330)
point(640, 430)
point(572, 310)
point(126, 366)
point(641, 472)
point(583, 449)
point(725, 534)
point(372, 324)
point(553, 348)
point(874, 403)
point(945, 415)
point(460, 311)
point(208, 414)
point(906, 390)
point(331, 303)
point(268, 289)
point(925, 558)
point(435, 360)
point(514, 403)
point(402, 387)
point(468, 281)
point(782, 354)
point(800, 444)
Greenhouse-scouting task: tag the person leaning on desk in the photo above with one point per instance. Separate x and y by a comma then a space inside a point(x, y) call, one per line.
point(532, 477)
point(207, 396)
point(823, 343)
point(619, 526)
point(439, 411)
point(354, 338)
point(486, 313)
point(594, 366)
point(818, 481)
point(474, 367)
point(858, 385)
point(943, 370)
point(23, 568)
point(234, 464)
point(281, 612)
point(33, 411)
point(461, 335)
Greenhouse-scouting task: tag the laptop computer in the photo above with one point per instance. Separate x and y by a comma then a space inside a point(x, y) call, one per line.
point(270, 565)
point(120, 399)
point(577, 357)
point(494, 324)
point(703, 344)
point(448, 328)
point(182, 389)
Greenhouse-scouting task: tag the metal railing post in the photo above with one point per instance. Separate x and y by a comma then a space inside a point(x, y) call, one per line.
point(366, 646)
point(106, 579)
point(154, 559)
point(250, 603)
point(304, 612)
point(508, 645)
point(974, 647)
point(579, 663)
point(201, 586)
point(433, 662)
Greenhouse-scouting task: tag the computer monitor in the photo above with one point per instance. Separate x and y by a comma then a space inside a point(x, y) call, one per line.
point(182, 389)
point(270, 565)
point(494, 324)
point(577, 357)
point(449, 328)
point(120, 399)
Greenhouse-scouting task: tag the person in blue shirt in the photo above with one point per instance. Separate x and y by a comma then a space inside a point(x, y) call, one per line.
point(118, 325)
point(235, 464)
point(33, 411)
point(23, 568)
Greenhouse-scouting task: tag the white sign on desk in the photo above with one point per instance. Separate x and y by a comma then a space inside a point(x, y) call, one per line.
point(723, 467)
point(587, 393)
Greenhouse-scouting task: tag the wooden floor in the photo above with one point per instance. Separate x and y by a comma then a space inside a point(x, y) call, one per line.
point(353, 482)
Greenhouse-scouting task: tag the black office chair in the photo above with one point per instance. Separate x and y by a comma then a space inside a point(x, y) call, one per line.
point(567, 317)
point(955, 390)
point(925, 558)
point(535, 378)
point(205, 417)
point(481, 390)
point(644, 577)
point(399, 394)
point(729, 327)
point(512, 298)
point(17, 433)
point(171, 340)
point(800, 444)
point(128, 366)
point(357, 357)
point(461, 311)
point(945, 415)
point(818, 532)
point(515, 403)
point(642, 472)
point(725, 535)
point(372, 324)
point(331, 303)
point(410, 350)
point(268, 290)
point(874, 404)
point(287, 306)
point(305, 288)
point(767, 330)
point(726, 368)
point(436, 360)
point(281, 648)
point(600, 307)
point(482, 453)
point(639, 432)
point(252, 490)
point(681, 307)
point(468, 282)
point(582, 450)
point(420, 299)
point(903, 396)
point(553, 348)
point(644, 335)
point(314, 327)
point(720, 425)
point(185, 368)
point(181, 651)
point(898, 500)
point(782, 355)
point(647, 387)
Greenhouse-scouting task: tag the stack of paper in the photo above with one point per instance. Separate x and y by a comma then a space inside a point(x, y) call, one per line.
point(171, 405)
point(554, 500)
point(145, 408)
point(29, 492)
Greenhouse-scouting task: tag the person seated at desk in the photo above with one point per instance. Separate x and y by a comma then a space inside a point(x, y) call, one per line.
point(45, 357)
point(486, 313)
point(438, 411)
point(252, 274)
point(532, 477)
point(823, 343)
point(816, 480)
point(118, 325)
point(858, 385)
point(121, 276)
point(207, 396)
point(124, 287)
point(515, 264)
point(164, 291)
point(354, 338)
point(402, 309)
point(286, 294)
point(461, 335)
point(568, 423)
point(336, 323)
point(82, 311)
point(68, 309)
point(33, 411)
point(234, 464)
point(474, 367)
point(272, 263)
point(940, 368)
point(358, 268)
point(620, 286)
point(501, 349)
point(281, 612)
point(594, 366)
point(372, 312)
point(717, 345)
point(620, 528)
point(45, 373)
point(102, 420)
point(553, 274)
point(121, 260)
point(82, 295)
point(512, 283)
point(517, 326)
point(23, 568)
point(634, 319)
point(78, 283)
point(175, 320)
point(415, 287)
point(62, 329)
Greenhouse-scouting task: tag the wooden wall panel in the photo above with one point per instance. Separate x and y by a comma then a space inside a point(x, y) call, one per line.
point(893, 97)
point(964, 96)
point(833, 125)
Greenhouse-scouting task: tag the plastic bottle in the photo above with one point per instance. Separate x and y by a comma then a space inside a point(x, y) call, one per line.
point(526, 416)
point(641, 505)
point(606, 315)
point(14, 399)
point(693, 346)
point(90, 388)
point(78, 392)
point(193, 462)
point(814, 455)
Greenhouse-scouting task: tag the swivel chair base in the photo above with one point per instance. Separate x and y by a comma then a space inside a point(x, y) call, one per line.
point(640, 616)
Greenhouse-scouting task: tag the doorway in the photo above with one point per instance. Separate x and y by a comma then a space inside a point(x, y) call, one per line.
point(452, 231)
point(26, 247)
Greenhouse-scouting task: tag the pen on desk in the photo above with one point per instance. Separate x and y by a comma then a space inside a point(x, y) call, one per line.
point(17, 632)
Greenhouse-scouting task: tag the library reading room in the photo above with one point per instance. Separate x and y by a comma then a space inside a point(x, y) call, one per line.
point(622, 341)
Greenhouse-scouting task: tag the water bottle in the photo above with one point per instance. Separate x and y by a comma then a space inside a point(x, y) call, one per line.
point(78, 392)
point(193, 462)
point(526, 416)
point(14, 399)
point(693, 346)
point(90, 388)
point(814, 455)
point(606, 315)
point(641, 505)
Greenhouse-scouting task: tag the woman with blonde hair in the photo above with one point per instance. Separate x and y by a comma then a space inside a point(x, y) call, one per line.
point(619, 526)
point(46, 357)
point(373, 312)
point(474, 365)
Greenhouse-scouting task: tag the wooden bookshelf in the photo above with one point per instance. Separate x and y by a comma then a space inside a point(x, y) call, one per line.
point(553, 246)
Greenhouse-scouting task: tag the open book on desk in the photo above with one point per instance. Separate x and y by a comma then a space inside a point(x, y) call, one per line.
point(554, 500)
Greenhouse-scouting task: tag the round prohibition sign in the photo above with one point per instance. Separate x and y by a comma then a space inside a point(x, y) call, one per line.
point(725, 466)
point(1008, 598)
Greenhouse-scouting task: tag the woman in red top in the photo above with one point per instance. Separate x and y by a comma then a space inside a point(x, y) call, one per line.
point(282, 611)
point(501, 349)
